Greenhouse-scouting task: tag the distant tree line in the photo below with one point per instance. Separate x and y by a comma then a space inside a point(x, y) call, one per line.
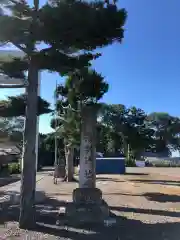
point(120, 130)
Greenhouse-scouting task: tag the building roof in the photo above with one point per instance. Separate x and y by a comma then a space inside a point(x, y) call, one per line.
point(8, 55)
point(5, 81)
point(8, 149)
point(12, 81)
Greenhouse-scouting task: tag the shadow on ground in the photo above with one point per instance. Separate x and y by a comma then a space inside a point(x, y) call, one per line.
point(126, 229)
point(161, 182)
point(136, 174)
point(101, 178)
point(156, 197)
point(161, 197)
point(107, 179)
point(147, 211)
point(7, 180)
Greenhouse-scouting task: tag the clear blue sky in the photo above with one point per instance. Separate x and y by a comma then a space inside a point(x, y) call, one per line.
point(145, 69)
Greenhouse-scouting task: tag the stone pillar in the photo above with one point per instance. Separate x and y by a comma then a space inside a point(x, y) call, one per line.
point(87, 174)
point(87, 205)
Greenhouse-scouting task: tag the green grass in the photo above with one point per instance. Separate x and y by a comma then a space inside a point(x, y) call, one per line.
point(14, 168)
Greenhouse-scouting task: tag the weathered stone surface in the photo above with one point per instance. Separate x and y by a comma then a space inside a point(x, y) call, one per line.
point(88, 213)
point(87, 173)
point(87, 196)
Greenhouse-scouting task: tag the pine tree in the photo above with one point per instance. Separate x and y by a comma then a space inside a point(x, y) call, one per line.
point(70, 38)
point(86, 87)
point(15, 106)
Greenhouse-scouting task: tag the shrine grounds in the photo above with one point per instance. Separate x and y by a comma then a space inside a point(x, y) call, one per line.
point(145, 203)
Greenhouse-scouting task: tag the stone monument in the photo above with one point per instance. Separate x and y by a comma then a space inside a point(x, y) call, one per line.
point(88, 205)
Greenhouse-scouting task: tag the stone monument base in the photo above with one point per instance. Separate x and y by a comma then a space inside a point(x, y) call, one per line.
point(89, 213)
point(87, 207)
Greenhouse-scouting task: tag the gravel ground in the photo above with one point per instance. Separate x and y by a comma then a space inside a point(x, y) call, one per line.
point(145, 206)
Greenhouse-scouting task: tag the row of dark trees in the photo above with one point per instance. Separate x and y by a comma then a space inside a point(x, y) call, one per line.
point(119, 129)
point(128, 131)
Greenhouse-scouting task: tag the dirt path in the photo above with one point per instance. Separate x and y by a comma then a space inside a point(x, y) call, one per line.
point(147, 206)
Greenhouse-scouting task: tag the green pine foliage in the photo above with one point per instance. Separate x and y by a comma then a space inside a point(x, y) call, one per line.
point(70, 37)
point(15, 106)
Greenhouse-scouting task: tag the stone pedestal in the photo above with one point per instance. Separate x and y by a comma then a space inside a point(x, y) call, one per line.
point(87, 207)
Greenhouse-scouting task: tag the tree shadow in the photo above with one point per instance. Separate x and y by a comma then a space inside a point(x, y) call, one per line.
point(161, 182)
point(161, 197)
point(121, 193)
point(156, 197)
point(136, 174)
point(126, 229)
point(107, 179)
point(8, 180)
point(146, 211)
point(100, 177)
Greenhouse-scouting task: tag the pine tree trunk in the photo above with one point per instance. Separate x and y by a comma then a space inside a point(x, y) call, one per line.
point(28, 177)
point(69, 154)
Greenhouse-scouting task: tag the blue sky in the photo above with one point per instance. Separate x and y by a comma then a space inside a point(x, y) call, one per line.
point(144, 70)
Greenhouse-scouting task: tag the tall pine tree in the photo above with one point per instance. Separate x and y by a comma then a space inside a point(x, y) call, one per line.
point(69, 39)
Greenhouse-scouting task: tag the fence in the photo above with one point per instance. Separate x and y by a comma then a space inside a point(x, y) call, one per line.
point(110, 166)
